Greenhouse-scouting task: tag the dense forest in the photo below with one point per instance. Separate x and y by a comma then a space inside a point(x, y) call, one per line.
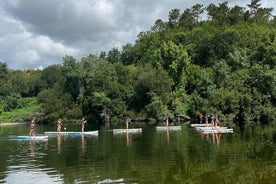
point(223, 64)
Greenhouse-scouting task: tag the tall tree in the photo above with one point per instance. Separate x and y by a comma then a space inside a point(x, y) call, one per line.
point(113, 55)
point(4, 76)
point(70, 71)
point(197, 10)
point(151, 82)
point(174, 16)
point(159, 26)
point(235, 15)
point(128, 55)
point(175, 60)
point(259, 14)
point(219, 13)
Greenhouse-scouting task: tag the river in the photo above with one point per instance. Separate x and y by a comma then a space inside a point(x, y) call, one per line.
point(179, 156)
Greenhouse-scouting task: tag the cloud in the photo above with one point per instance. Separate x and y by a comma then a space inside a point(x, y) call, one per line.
point(39, 33)
point(22, 49)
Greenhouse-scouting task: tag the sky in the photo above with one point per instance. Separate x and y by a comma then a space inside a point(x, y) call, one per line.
point(37, 33)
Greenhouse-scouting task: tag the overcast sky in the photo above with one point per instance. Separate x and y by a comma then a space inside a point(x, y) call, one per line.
point(38, 33)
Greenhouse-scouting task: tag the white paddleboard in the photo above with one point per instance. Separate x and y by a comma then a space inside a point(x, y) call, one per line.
point(35, 137)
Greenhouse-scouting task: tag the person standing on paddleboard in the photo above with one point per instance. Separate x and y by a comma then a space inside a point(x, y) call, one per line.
point(59, 125)
point(83, 122)
point(128, 121)
point(200, 117)
point(32, 126)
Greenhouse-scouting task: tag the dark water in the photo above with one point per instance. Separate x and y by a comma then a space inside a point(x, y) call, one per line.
point(246, 156)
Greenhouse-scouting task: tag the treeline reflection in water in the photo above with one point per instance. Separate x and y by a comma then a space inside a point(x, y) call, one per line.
point(171, 156)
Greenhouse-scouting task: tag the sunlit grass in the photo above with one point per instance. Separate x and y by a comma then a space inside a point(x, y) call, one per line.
point(30, 107)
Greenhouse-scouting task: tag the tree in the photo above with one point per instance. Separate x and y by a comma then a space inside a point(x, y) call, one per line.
point(113, 55)
point(186, 20)
point(156, 108)
point(191, 17)
point(70, 71)
point(235, 15)
point(159, 26)
point(197, 10)
point(221, 44)
point(238, 59)
point(222, 72)
point(219, 14)
point(128, 55)
point(19, 83)
point(254, 6)
point(151, 82)
point(58, 104)
point(4, 76)
point(51, 76)
point(175, 60)
point(174, 16)
point(258, 14)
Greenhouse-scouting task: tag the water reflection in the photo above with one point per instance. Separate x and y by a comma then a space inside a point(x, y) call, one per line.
point(168, 135)
point(214, 138)
point(127, 138)
point(32, 153)
point(59, 143)
point(83, 143)
point(143, 158)
point(30, 176)
point(218, 138)
point(130, 134)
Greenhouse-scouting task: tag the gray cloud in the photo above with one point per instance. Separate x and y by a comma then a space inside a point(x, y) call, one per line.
point(39, 33)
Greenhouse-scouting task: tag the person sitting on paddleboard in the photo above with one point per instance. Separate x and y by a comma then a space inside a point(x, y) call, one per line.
point(32, 125)
point(83, 121)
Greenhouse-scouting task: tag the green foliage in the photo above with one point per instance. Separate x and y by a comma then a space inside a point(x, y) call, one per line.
point(51, 75)
point(151, 81)
point(58, 104)
point(113, 55)
point(156, 108)
point(174, 59)
point(224, 64)
point(25, 107)
point(179, 102)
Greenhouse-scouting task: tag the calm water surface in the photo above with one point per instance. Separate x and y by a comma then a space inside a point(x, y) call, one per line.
point(184, 156)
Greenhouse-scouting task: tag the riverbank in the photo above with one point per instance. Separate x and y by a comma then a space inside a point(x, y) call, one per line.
point(9, 123)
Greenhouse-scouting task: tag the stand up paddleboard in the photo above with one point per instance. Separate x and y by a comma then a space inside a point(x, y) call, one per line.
point(84, 133)
point(95, 133)
point(131, 130)
point(206, 129)
point(35, 137)
point(170, 128)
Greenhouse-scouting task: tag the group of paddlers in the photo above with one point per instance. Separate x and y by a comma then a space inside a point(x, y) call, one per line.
point(83, 122)
point(213, 119)
point(59, 124)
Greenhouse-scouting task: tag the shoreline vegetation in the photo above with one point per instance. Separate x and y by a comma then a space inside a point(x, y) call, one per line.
point(223, 65)
point(10, 123)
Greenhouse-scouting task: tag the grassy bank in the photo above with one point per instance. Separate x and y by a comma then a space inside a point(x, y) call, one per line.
point(28, 109)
